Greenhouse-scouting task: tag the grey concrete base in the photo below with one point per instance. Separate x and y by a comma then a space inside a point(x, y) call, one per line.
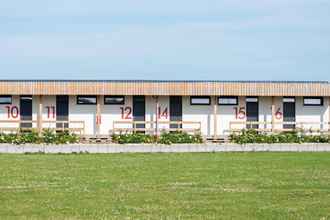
point(155, 148)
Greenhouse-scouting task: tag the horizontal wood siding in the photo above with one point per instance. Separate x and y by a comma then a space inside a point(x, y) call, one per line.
point(163, 88)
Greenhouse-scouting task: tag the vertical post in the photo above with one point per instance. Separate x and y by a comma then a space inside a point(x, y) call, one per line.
point(329, 114)
point(215, 110)
point(156, 119)
point(273, 113)
point(98, 115)
point(39, 117)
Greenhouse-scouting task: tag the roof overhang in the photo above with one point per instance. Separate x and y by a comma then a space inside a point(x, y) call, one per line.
point(163, 88)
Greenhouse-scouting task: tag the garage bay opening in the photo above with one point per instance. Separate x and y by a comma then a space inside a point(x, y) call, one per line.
point(175, 111)
point(139, 112)
point(252, 112)
point(62, 111)
point(26, 111)
point(289, 112)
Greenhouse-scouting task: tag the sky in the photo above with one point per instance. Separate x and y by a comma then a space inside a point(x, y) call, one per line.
point(165, 40)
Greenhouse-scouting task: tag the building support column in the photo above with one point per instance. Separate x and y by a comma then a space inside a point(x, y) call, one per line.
point(39, 116)
point(215, 118)
point(329, 114)
point(157, 113)
point(273, 113)
point(98, 115)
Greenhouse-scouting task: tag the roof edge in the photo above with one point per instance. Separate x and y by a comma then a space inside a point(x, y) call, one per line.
point(163, 81)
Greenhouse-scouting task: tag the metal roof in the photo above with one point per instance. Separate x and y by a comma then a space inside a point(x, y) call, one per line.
point(164, 87)
point(162, 81)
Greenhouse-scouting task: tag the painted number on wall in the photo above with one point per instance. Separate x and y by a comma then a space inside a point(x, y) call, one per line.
point(98, 119)
point(240, 113)
point(126, 112)
point(50, 112)
point(12, 112)
point(278, 114)
point(162, 114)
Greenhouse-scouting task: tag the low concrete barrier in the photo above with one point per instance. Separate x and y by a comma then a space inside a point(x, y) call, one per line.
point(157, 148)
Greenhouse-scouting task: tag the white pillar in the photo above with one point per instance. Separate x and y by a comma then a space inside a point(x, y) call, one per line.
point(273, 113)
point(39, 116)
point(98, 115)
point(215, 110)
point(157, 113)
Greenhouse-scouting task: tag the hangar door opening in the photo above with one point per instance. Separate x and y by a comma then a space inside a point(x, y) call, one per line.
point(26, 111)
point(139, 110)
point(252, 112)
point(175, 110)
point(289, 112)
point(62, 111)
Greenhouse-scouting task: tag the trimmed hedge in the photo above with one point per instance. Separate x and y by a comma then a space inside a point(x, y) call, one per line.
point(134, 138)
point(253, 136)
point(51, 137)
point(48, 137)
point(179, 138)
point(164, 138)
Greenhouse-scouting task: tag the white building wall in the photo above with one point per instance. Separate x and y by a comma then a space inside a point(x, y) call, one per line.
point(312, 114)
point(227, 114)
point(111, 113)
point(163, 114)
point(194, 113)
point(86, 113)
point(5, 117)
point(35, 109)
point(150, 111)
point(198, 113)
point(49, 118)
point(278, 117)
point(265, 112)
point(326, 117)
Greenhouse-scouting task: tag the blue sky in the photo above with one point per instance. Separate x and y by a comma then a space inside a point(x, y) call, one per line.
point(150, 39)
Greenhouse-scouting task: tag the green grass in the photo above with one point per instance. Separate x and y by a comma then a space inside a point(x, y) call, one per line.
point(165, 186)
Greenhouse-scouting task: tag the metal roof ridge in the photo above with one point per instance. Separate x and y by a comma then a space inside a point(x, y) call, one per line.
point(161, 81)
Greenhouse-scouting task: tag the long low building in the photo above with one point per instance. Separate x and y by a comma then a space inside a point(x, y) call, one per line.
point(214, 108)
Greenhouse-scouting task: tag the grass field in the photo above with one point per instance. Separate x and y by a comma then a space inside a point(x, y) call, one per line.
point(166, 186)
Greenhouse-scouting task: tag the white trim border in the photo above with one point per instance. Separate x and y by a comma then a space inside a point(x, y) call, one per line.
point(158, 148)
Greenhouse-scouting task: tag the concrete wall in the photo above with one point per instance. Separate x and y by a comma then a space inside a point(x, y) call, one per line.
point(159, 148)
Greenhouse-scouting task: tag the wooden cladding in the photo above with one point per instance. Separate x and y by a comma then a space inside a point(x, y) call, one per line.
point(174, 88)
